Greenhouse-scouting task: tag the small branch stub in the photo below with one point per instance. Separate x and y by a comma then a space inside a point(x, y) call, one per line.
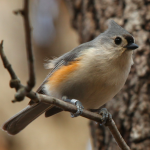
point(21, 12)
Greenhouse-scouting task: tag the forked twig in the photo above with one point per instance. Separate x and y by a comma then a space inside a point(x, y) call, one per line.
point(25, 14)
point(22, 91)
point(15, 82)
point(89, 115)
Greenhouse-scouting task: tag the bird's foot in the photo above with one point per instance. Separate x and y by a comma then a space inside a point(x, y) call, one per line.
point(106, 116)
point(74, 102)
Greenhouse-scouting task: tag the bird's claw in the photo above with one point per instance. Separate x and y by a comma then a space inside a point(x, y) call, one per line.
point(79, 108)
point(77, 103)
point(106, 116)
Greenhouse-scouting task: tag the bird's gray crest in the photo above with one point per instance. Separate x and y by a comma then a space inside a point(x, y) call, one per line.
point(114, 29)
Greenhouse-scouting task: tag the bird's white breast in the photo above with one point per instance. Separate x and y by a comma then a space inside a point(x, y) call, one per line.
point(108, 74)
point(97, 80)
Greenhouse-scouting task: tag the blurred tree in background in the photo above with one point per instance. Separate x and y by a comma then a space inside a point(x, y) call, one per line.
point(131, 107)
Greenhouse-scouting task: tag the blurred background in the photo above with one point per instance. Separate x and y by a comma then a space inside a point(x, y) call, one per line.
point(52, 36)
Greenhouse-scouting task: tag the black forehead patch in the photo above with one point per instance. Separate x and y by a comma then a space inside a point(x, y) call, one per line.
point(129, 39)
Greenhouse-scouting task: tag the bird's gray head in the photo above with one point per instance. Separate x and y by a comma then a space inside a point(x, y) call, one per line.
point(115, 38)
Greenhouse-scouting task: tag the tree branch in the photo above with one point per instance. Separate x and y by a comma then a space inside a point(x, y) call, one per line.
point(89, 115)
point(25, 15)
point(116, 134)
point(15, 82)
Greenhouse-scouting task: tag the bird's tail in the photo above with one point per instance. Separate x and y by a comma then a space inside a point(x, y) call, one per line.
point(19, 121)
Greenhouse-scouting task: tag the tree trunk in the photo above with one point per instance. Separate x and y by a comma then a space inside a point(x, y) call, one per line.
point(131, 107)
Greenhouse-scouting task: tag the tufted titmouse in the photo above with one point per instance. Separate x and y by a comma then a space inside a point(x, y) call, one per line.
point(92, 73)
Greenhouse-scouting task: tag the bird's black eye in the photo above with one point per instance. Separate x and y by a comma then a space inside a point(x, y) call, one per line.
point(118, 40)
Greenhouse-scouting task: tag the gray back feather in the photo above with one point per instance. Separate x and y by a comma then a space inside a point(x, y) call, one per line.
point(73, 54)
point(64, 60)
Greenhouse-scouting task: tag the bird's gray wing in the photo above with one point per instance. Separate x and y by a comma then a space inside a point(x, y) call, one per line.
point(64, 60)
point(57, 63)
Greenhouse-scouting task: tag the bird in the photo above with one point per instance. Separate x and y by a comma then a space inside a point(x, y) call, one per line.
point(91, 74)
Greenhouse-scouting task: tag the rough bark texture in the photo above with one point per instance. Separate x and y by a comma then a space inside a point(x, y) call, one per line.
point(131, 107)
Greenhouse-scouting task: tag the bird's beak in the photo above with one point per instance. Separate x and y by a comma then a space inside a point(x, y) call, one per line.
point(131, 46)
